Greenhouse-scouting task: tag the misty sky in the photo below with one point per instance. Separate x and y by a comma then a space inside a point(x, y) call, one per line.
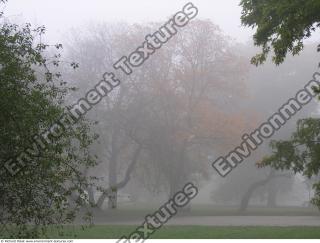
point(61, 15)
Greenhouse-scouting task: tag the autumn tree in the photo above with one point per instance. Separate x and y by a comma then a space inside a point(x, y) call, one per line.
point(187, 106)
point(162, 121)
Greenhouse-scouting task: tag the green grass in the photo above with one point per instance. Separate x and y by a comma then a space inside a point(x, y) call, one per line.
point(194, 232)
point(137, 212)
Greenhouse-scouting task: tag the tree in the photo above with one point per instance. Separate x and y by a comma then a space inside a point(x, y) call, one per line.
point(281, 26)
point(96, 49)
point(166, 110)
point(185, 104)
point(49, 190)
point(300, 154)
point(281, 82)
point(272, 191)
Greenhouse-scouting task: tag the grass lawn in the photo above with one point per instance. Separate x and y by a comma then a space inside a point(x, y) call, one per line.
point(194, 232)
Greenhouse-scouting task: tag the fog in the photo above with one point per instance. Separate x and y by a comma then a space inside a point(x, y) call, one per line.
point(188, 104)
point(80, 13)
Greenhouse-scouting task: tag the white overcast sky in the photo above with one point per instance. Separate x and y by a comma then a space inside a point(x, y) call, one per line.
point(61, 15)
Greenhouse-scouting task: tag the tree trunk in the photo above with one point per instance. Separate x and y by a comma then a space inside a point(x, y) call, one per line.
point(247, 196)
point(112, 198)
point(178, 182)
point(91, 195)
point(112, 192)
point(272, 196)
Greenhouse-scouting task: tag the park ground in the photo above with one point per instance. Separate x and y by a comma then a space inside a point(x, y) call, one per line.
point(192, 232)
point(201, 222)
point(211, 222)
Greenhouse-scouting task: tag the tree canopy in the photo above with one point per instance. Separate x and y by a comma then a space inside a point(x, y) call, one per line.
point(49, 189)
point(281, 26)
point(300, 154)
point(164, 120)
